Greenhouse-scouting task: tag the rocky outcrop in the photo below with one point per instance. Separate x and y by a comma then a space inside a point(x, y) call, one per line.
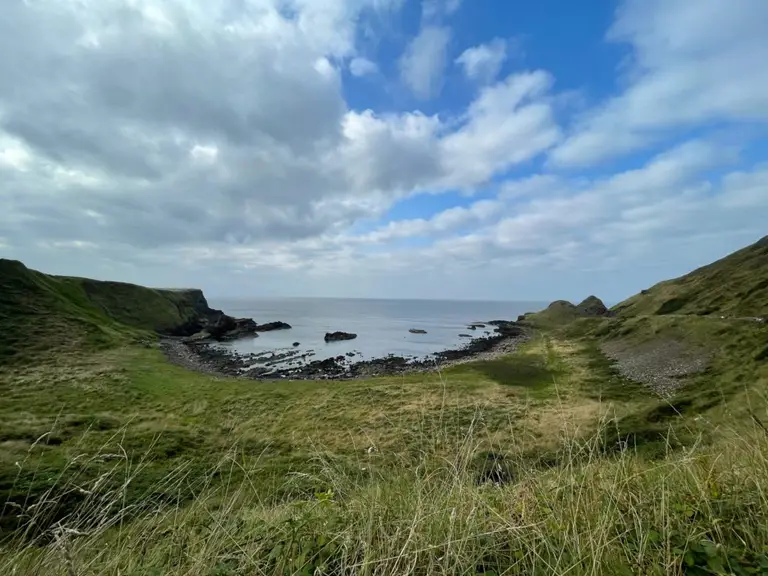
point(339, 336)
point(592, 306)
point(269, 326)
point(229, 328)
point(417, 331)
point(508, 328)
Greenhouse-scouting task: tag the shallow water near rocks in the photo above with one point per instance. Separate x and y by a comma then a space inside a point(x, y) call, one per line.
point(382, 326)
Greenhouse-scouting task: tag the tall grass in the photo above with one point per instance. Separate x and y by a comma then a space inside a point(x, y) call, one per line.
point(457, 508)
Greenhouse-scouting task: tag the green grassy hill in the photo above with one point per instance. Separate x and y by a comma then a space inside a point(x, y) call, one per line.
point(737, 286)
point(562, 312)
point(40, 313)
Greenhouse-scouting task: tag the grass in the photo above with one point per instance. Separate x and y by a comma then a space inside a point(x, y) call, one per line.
point(734, 286)
point(546, 461)
point(699, 511)
point(520, 465)
point(40, 313)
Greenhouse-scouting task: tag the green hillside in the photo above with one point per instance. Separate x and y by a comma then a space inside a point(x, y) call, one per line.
point(630, 443)
point(735, 286)
point(40, 313)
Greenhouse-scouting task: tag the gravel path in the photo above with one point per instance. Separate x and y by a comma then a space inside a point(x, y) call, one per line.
point(660, 365)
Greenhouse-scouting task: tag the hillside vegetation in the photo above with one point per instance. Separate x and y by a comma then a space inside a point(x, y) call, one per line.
point(555, 459)
point(734, 286)
point(40, 313)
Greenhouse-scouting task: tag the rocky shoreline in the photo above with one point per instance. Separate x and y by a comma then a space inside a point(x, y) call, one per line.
point(209, 358)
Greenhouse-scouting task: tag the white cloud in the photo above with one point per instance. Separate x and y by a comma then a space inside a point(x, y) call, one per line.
point(693, 61)
point(483, 63)
point(423, 63)
point(509, 123)
point(435, 9)
point(191, 143)
point(362, 67)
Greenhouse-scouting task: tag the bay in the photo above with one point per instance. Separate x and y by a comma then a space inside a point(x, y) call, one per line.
point(381, 325)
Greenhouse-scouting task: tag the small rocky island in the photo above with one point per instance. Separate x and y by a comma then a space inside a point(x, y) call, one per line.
point(339, 336)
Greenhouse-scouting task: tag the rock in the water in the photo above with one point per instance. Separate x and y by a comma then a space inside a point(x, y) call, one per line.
point(471, 327)
point(229, 328)
point(297, 343)
point(417, 331)
point(465, 335)
point(339, 336)
point(351, 354)
point(475, 325)
point(269, 326)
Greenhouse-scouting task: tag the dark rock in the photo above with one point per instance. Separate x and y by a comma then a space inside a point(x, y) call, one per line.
point(297, 343)
point(417, 331)
point(465, 335)
point(269, 326)
point(339, 336)
point(476, 325)
point(229, 328)
point(471, 327)
point(351, 354)
point(592, 306)
point(507, 328)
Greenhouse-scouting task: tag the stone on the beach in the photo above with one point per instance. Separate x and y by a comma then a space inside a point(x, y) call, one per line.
point(339, 336)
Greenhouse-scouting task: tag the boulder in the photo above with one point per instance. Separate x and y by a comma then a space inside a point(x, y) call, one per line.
point(417, 331)
point(269, 326)
point(339, 336)
point(297, 343)
point(465, 335)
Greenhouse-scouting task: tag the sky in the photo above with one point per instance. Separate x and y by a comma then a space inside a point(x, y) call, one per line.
point(483, 149)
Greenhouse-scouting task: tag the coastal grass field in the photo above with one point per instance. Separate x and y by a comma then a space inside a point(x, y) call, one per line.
point(546, 461)
point(554, 459)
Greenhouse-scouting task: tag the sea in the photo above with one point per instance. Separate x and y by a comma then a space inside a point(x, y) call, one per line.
point(382, 326)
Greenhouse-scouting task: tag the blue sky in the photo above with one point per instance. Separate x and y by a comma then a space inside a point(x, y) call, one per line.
point(383, 148)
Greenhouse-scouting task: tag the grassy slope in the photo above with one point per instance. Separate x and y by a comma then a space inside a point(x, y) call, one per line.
point(734, 286)
point(164, 471)
point(40, 313)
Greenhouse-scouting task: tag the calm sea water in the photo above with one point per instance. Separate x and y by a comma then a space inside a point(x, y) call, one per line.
point(381, 325)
